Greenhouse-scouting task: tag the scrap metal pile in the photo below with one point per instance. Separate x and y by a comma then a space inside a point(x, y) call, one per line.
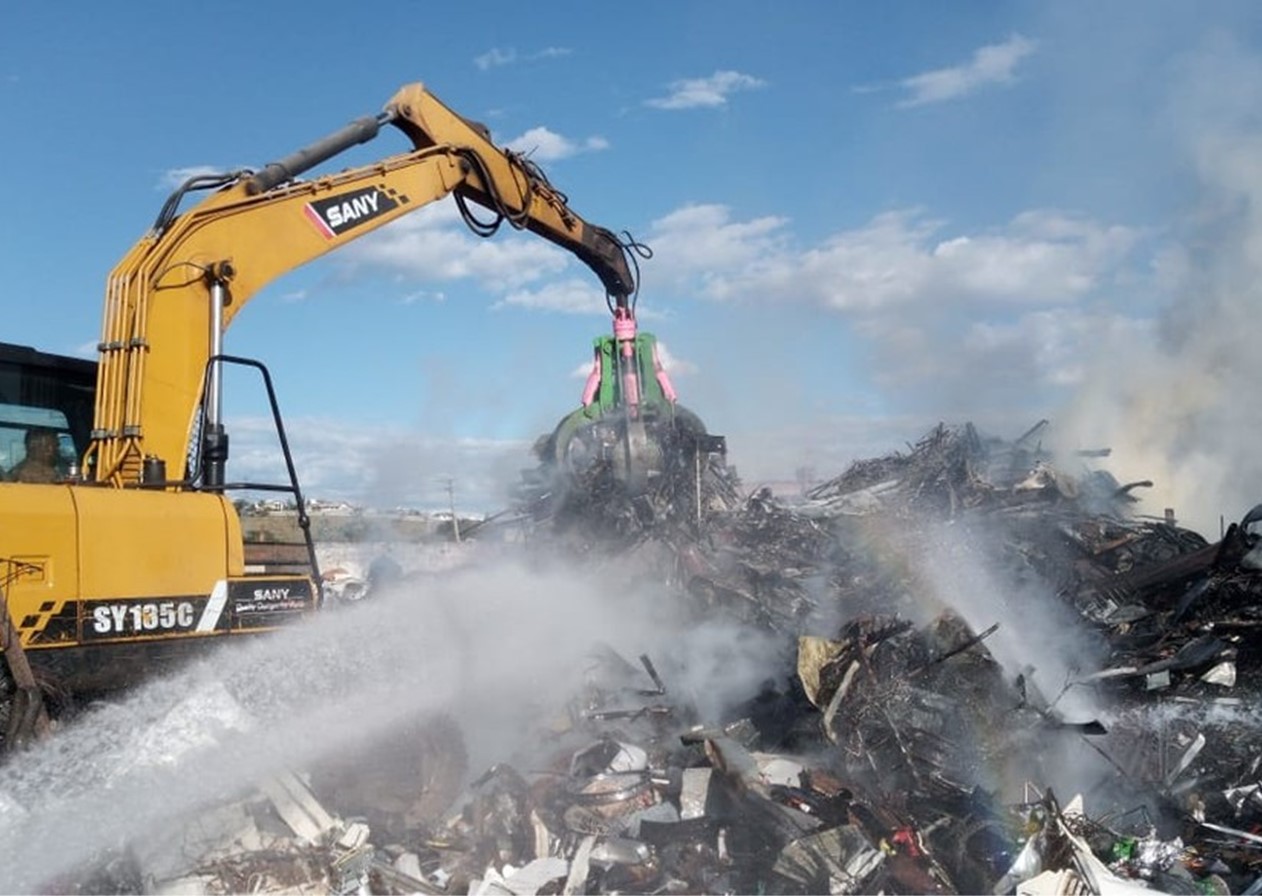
point(913, 738)
point(589, 506)
point(943, 765)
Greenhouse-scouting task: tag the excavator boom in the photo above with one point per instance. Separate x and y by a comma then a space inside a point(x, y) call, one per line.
point(171, 297)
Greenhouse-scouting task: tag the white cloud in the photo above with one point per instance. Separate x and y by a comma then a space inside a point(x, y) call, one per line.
point(552, 53)
point(954, 320)
point(1041, 257)
point(991, 64)
point(423, 295)
point(958, 366)
point(675, 366)
point(712, 91)
point(960, 320)
point(544, 145)
point(495, 57)
point(570, 296)
point(433, 244)
point(1052, 345)
point(703, 239)
point(896, 259)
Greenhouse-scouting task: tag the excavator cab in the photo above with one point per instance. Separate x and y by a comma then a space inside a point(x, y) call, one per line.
point(40, 392)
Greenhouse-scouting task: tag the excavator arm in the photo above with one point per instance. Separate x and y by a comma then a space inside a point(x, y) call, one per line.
point(172, 296)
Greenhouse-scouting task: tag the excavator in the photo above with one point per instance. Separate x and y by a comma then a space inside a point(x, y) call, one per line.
point(134, 557)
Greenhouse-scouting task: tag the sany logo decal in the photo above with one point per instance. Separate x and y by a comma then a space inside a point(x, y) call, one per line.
point(337, 214)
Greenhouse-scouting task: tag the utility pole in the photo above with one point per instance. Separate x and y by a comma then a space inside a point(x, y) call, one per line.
point(451, 501)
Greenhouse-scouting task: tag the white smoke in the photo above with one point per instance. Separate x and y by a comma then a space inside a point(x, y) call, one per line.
point(1181, 407)
point(498, 647)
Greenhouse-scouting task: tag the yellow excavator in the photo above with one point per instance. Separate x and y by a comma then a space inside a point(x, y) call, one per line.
point(130, 553)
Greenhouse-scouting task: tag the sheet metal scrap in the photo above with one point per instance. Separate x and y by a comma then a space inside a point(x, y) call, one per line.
point(943, 471)
point(920, 756)
point(954, 468)
point(621, 825)
point(912, 713)
point(780, 565)
point(282, 840)
point(1189, 625)
point(589, 508)
point(760, 563)
point(653, 803)
point(1168, 601)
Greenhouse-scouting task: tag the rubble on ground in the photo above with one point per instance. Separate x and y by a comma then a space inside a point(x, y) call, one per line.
point(918, 742)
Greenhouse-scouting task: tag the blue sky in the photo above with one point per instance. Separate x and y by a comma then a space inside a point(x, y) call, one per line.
point(865, 218)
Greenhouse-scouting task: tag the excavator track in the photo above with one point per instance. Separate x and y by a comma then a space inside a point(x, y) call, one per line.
point(7, 690)
point(23, 715)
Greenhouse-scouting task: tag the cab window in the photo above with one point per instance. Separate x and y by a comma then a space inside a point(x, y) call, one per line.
point(17, 420)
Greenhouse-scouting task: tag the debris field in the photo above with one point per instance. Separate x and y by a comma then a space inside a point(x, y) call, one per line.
point(996, 677)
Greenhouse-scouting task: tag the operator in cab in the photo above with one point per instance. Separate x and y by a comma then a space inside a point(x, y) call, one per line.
point(40, 463)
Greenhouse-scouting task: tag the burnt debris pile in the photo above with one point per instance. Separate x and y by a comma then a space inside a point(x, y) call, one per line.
point(979, 628)
point(993, 676)
point(586, 505)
